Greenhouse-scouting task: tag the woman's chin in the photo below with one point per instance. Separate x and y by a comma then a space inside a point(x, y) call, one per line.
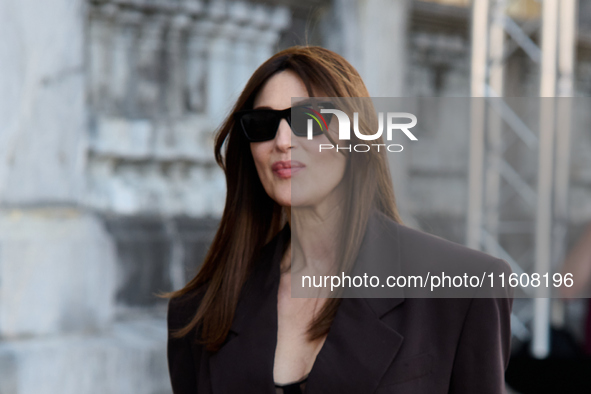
point(284, 201)
point(292, 202)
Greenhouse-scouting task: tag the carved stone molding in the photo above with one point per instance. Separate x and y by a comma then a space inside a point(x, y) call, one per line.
point(163, 75)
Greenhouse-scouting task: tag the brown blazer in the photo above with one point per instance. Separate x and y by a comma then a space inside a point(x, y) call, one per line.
point(375, 345)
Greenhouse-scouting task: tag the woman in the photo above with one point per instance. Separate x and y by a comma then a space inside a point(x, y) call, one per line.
point(235, 328)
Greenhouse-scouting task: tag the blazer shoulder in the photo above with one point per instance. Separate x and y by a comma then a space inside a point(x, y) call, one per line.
point(420, 244)
point(420, 253)
point(181, 309)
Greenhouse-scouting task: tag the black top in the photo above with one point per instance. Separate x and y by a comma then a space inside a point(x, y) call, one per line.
point(298, 387)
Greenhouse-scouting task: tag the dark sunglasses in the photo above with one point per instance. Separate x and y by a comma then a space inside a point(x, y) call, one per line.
point(261, 125)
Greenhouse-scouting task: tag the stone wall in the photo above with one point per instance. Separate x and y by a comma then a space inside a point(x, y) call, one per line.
point(162, 76)
point(108, 188)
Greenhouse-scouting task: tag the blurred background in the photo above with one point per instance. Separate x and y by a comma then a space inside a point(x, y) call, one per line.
point(109, 192)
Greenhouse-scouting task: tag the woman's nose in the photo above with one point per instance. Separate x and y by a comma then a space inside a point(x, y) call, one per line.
point(283, 137)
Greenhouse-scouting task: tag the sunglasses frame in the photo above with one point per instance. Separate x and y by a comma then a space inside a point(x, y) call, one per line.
point(280, 114)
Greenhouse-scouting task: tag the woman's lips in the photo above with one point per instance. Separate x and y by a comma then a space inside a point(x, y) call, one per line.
point(285, 169)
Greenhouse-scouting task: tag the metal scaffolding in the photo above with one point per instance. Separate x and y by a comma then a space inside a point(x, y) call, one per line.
point(495, 126)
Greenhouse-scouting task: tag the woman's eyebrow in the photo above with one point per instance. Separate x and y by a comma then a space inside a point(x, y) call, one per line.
point(269, 108)
point(304, 102)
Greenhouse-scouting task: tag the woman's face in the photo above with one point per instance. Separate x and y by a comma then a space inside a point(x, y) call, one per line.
point(291, 168)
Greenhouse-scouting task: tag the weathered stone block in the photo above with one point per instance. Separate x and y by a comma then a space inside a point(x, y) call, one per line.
point(129, 359)
point(57, 272)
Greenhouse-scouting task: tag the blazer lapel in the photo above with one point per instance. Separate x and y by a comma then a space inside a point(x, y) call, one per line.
point(360, 346)
point(244, 364)
point(357, 351)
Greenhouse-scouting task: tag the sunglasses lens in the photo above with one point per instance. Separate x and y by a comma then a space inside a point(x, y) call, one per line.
point(302, 116)
point(260, 126)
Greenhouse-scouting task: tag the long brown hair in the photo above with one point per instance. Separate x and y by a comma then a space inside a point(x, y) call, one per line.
point(251, 218)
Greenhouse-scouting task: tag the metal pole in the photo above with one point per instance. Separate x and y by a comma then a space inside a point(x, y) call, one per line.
point(566, 64)
point(478, 82)
point(567, 47)
point(541, 329)
point(479, 46)
point(495, 122)
point(549, 48)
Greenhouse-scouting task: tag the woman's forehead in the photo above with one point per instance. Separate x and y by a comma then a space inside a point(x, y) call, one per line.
point(280, 89)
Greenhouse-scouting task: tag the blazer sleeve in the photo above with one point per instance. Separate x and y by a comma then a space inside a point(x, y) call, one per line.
point(182, 368)
point(484, 346)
